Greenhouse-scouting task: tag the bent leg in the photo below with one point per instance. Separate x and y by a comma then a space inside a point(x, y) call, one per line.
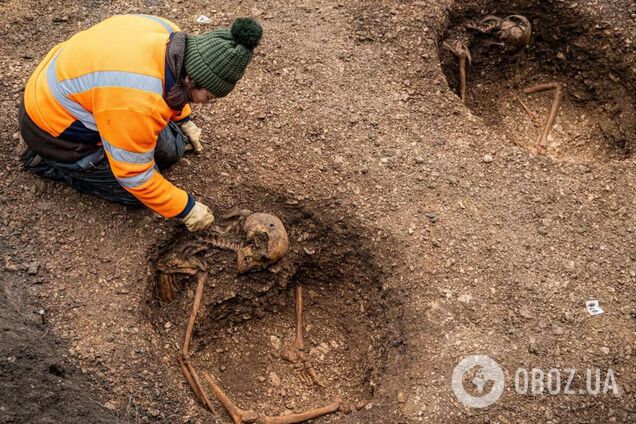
point(92, 174)
point(86, 177)
point(171, 144)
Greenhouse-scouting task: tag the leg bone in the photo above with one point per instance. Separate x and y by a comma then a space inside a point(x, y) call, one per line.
point(184, 360)
point(304, 416)
point(462, 53)
point(296, 355)
point(238, 415)
point(299, 342)
point(542, 140)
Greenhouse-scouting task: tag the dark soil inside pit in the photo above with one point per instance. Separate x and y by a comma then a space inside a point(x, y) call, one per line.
point(594, 64)
point(246, 321)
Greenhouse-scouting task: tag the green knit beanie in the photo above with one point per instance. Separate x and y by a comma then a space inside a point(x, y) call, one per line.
point(216, 60)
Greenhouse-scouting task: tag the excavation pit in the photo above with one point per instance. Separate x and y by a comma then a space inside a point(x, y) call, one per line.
point(594, 64)
point(247, 320)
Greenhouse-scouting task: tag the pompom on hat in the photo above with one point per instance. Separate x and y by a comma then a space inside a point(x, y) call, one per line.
point(217, 60)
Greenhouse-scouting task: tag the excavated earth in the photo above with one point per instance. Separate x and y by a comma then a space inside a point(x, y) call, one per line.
point(423, 230)
point(596, 120)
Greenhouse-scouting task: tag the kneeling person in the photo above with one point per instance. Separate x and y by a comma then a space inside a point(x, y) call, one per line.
point(106, 110)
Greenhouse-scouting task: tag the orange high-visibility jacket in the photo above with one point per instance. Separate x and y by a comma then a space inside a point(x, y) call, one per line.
point(111, 78)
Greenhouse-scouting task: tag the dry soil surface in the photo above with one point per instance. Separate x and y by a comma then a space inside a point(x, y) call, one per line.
point(423, 230)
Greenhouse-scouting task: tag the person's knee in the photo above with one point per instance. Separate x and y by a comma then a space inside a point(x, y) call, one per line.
point(170, 147)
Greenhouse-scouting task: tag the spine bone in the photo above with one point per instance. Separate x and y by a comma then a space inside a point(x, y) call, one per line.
point(224, 244)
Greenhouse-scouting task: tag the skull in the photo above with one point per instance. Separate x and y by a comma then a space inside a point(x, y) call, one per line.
point(515, 31)
point(265, 242)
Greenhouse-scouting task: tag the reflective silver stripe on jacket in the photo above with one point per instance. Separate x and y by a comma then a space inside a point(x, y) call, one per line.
point(123, 155)
point(63, 89)
point(136, 180)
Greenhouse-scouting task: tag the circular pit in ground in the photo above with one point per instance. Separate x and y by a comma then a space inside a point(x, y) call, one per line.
point(593, 63)
point(246, 321)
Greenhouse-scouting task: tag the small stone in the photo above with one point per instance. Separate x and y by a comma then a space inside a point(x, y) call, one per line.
point(261, 379)
point(605, 350)
point(487, 158)
point(431, 217)
point(384, 160)
point(558, 330)
point(10, 266)
point(110, 405)
point(419, 160)
point(402, 397)
point(275, 342)
point(525, 312)
point(533, 347)
point(167, 325)
point(222, 368)
point(154, 412)
point(33, 268)
point(274, 379)
point(465, 298)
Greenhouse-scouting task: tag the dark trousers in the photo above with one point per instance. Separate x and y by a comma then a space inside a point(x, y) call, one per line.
point(92, 174)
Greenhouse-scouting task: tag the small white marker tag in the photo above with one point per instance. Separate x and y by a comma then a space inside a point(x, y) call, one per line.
point(593, 307)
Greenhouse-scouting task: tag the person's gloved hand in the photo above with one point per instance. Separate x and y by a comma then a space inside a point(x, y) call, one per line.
point(199, 218)
point(193, 133)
